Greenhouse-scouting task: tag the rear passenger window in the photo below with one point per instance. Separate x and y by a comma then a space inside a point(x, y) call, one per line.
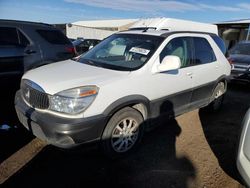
point(23, 40)
point(191, 51)
point(220, 43)
point(54, 36)
point(181, 47)
point(8, 36)
point(203, 51)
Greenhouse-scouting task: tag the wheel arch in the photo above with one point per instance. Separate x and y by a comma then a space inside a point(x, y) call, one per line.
point(138, 102)
point(223, 79)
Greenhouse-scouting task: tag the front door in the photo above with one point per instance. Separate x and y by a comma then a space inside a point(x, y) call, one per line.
point(174, 88)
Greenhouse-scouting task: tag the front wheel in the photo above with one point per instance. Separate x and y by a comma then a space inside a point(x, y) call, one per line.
point(122, 133)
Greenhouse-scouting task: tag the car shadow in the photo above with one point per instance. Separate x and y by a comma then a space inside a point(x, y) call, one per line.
point(9, 86)
point(222, 129)
point(12, 135)
point(153, 164)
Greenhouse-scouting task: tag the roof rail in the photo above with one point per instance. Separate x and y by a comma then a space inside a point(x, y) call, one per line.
point(192, 32)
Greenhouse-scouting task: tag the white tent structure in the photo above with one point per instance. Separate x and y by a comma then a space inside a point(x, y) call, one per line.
point(97, 29)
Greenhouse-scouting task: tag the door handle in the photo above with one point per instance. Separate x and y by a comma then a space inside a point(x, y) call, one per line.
point(217, 66)
point(189, 74)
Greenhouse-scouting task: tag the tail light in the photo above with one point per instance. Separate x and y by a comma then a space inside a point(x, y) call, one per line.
point(71, 50)
point(230, 61)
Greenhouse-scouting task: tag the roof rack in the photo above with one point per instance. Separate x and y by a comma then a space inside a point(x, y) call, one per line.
point(171, 24)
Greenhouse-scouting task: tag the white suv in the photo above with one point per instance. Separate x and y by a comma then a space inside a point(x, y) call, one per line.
point(114, 91)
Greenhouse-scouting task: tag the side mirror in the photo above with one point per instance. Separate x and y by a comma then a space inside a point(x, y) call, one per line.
point(169, 63)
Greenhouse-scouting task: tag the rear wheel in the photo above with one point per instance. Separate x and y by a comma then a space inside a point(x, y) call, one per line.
point(217, 97)
point(122, 133)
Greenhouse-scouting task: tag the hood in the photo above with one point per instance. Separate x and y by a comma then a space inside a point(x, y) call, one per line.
point(68, 74)
point(239, 58)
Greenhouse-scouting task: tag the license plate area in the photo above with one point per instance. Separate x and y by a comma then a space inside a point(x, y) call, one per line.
point(31, 126)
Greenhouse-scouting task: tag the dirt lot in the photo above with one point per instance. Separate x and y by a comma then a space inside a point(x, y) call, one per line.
point(197, 150)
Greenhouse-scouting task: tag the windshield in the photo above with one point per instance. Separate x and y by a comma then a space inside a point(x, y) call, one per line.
point(242, 48)
point(124, 52)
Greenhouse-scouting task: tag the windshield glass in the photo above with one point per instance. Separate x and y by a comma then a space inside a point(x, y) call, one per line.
point(124, 52)
point(243, 49)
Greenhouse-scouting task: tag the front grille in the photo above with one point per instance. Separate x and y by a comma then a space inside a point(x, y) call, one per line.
point(33, 96)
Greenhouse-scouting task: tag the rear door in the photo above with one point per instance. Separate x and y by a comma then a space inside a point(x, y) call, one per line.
point(205, 72)
point(11, 52)
point(14, 46)
point(32, 52)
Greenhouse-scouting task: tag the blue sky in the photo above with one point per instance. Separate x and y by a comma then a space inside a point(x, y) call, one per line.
point(66, 11)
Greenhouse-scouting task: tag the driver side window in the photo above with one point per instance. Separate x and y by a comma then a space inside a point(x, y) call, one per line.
point(180, 47)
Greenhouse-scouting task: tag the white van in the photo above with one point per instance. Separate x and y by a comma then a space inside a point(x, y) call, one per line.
point(114, 91)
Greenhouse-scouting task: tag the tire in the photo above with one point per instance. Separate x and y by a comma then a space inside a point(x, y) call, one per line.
point(217, 97)
point(123, 133)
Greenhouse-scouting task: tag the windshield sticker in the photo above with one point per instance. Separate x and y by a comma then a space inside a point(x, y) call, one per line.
point(139, 50)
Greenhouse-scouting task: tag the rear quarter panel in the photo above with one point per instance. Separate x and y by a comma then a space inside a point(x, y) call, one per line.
point(224, 66)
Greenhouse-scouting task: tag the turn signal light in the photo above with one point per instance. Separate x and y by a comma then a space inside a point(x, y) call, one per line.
point(88, 93)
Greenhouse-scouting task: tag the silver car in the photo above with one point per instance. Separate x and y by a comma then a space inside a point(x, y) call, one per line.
point(243, 158)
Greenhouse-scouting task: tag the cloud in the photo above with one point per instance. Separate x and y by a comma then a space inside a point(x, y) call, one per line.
point(220, 8)
point(245, 6)
point(158, 5)
point(139, 5)
point(50, 8)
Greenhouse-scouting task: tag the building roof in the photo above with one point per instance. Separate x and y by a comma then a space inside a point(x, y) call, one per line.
point(105, 23)
point(243, 21)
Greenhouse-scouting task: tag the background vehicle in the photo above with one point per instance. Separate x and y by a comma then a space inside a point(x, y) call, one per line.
point(72, 40)
point(113, 91)
point(26, 45)
point(243, 158)
point(83, 45)
point(239, 57)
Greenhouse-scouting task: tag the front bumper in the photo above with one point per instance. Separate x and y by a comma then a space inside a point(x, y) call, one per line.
point(59, 131)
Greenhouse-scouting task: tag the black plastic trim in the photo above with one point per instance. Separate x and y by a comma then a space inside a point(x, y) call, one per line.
point(82, 130)
point(127, 101)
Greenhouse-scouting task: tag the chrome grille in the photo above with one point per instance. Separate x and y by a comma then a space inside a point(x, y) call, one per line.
point(34, 95)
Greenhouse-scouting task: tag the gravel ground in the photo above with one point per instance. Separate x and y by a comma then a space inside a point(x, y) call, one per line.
point(198, 149)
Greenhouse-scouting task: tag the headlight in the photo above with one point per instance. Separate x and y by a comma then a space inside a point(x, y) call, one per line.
point(73, 101)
